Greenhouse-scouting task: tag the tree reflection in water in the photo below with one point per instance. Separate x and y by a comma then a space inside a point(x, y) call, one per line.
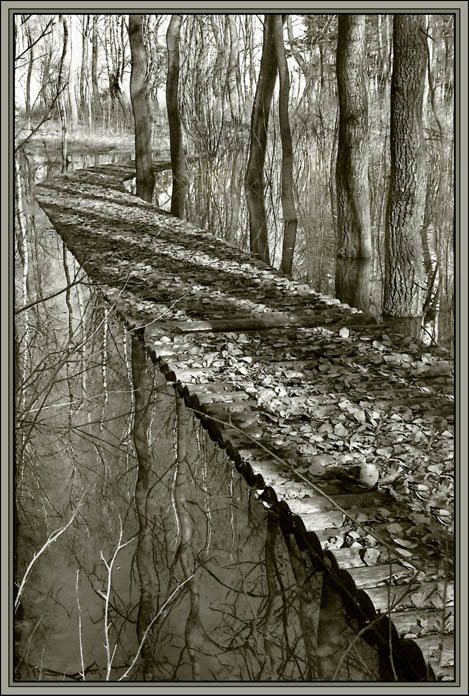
point(171, 569)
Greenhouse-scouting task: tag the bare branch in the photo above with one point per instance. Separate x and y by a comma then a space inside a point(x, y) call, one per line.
point(106, 596)
point(46, 118)
point(41, 36)
point(75, 281)
point(52, 537)
point(148, 628)
point(80, 637)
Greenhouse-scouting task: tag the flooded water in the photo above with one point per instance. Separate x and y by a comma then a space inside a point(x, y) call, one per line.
point(140, 552)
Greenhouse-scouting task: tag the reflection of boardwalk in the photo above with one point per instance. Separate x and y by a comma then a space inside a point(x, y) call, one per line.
point(324, 416)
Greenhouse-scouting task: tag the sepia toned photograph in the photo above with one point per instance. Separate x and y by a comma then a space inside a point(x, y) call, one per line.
point(234, 347)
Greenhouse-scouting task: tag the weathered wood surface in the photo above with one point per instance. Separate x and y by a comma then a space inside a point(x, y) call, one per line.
point(235, 337)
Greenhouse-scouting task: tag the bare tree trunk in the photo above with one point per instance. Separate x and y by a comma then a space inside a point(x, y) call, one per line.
point(353, 195)
point(60, 91)
point(72, 77)
point(290, 220)
point(143, 391)
point(192, 632)
point(178, 158)
point(141, 110)
point(85, 27)
point(233, 68)
point(43, 96)
point(403, 255)
point(94, 67)
point(254, 182)
point(30, 45)
point(353, 282)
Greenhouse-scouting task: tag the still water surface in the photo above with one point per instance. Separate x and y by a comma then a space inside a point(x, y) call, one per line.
point(117, 564)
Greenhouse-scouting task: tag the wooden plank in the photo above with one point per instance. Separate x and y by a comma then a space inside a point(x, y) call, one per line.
point(208, 387)
point(237, 439)
point(444, 673)
point(330, 523)
point(315, 502)
point(188, 373)
point(348, 557)
point(269, 321)
point(423, 621)
point(372, 576)
point(431, 645)
point(222, 396)
point(224, 410)
point(322, 519)
point(425, 595)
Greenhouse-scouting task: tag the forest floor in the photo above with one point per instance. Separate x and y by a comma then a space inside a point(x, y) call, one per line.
point(296, 385)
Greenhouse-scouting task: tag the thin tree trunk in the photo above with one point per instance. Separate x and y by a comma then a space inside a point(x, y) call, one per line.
point(84, 63)
point(94, 67)
point(72, 76)
point(178, 158)
point(44, 91)
point(403, 255)
point(254, 181)
point(141, 111)
point(30, 45)
point(185, 525)
point(353, 195)
point(233, 68)
point(143, 391)
point(290, 220)
point(60, 90)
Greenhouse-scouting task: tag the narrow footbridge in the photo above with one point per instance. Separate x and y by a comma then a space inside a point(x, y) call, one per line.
point(339, 427)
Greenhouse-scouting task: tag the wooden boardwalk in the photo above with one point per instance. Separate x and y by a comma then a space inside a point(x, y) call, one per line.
point(320, 409)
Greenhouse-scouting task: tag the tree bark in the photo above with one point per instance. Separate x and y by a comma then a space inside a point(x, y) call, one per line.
point(60, 91)
point(29, 43)
point(94, 67)
point(178, 158)
point(353, 196)
point(144, 391)
point(141, 111)
point(353, 282)
point(403, 255)
point(233, 75)
point(72, 76)
point(290, 220)
point(85, 25)
point(254, 181)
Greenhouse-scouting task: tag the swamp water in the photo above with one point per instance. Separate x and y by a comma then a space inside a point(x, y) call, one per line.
point(156, 562)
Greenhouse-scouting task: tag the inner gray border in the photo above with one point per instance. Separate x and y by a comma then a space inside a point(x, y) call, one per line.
point(461, 247)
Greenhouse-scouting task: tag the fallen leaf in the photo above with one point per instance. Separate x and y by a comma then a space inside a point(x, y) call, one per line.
point(339, 430)
point(404, 542)
point(369, 474)
point(371, 556)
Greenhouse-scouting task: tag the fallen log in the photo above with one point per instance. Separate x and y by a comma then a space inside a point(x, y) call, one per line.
point(268, 320)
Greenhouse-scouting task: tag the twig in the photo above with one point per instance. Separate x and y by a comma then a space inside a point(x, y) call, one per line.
point(166, 311)
point(445, 593)
point(52, 537)
point(41, 36)
point(46, 118)
point(109, 567)
point(80, 628)
point(75, 281)
point(148, 628)
point(391, 656)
